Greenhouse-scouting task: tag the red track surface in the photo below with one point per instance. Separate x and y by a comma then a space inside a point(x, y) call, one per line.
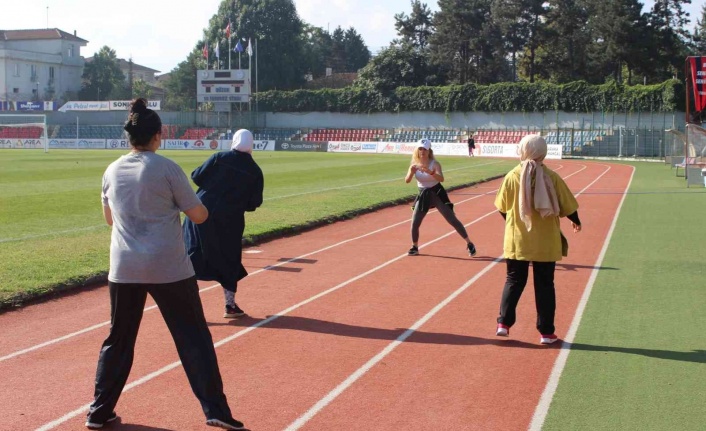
point(333, 354)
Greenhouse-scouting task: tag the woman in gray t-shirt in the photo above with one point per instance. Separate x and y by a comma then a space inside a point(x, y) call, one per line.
point(143, 195)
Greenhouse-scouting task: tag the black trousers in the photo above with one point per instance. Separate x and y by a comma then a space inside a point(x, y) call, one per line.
point(544, 294)
point(181, 309)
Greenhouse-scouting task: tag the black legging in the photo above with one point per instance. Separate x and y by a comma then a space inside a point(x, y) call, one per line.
point(544, 294)
point(444, 210)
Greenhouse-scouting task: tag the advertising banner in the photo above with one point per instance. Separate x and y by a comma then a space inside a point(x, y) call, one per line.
point(124, 105)
point(188, 144)
point(85, 106)
point(301, 146)
point(21, 143)
point(554, 151)
point(93, 144)
point(352, 147)
point(698, 81)
point(12, 105)
point(117, 144)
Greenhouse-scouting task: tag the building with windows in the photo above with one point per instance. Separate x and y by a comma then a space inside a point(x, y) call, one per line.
point(43, 64)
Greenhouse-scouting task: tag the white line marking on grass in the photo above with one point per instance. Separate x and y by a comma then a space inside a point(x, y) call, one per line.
point(60, 232)
point(352, 186)
point(360, 372)
point(148, 377)
point(542, 409)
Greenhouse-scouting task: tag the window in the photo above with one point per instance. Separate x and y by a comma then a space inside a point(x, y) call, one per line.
point(15, 90)
point(17, 69)
point(51, 73)
point(33, 72)
point(70, 53)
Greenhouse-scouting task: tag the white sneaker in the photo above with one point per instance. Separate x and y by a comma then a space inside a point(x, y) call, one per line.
point(503, 330)
point(548, 339)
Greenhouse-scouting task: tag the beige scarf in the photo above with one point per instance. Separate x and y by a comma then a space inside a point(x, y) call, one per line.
point(533, 150)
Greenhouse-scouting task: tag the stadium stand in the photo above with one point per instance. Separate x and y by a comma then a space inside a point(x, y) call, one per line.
point(68, 131)
point(198, 133)
point(344, 135)
point(572, 140)
point(275, 134)
point(500, 136)
point(170, 131)
point(21, 132)
point(443, 135)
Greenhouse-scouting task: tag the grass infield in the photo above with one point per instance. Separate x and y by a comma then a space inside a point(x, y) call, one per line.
point(638, 359)
point(52, 233)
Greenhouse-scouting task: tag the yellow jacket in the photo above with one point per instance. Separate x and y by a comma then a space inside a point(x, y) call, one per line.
point(543, 242)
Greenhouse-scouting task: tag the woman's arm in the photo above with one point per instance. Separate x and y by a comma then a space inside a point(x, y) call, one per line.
point(108, 215)
point(197, 214)
point(575, 221)
point(410, 173)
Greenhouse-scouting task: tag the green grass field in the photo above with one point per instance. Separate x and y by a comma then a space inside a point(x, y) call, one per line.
point(639, 358)
point(52, 232)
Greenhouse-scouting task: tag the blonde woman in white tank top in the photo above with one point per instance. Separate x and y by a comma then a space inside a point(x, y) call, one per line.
point(429, 176)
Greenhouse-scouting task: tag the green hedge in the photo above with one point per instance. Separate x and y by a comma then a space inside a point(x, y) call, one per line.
point(503, 97)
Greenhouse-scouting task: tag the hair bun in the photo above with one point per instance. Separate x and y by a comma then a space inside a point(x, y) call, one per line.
point(138, 106)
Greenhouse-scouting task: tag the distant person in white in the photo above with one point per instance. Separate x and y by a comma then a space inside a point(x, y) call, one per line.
point(143, 195)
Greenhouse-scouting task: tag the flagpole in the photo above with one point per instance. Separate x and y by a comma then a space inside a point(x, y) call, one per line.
point(229, 56)
point(256, 80)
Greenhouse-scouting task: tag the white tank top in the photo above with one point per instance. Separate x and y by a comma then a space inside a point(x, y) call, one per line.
point(426, 180)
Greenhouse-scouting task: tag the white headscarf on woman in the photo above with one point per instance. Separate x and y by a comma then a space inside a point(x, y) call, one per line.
point(533, 150)
point(242, 141)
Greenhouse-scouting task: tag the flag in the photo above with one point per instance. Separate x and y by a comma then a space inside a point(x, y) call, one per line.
point(205, 50)
point(238, 47)
point(249, 48)
point(218, 54)
point(228, 30)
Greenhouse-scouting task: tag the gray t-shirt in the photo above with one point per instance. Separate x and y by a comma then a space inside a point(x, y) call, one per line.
point(146, 193)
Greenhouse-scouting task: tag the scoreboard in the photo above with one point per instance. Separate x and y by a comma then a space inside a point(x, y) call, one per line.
point(232, 85)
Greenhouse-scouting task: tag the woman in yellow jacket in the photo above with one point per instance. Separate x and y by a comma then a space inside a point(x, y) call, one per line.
point(532, 198)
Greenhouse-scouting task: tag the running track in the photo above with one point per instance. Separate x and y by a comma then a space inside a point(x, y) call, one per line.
point(345, 330)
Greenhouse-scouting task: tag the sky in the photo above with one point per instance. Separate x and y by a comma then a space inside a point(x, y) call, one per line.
point(160, 33)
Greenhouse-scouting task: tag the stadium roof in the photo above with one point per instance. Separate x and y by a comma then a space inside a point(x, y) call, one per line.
point(39, 34)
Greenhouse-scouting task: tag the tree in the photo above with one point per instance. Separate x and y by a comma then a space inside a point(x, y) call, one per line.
point(102, 77)
point(141, 88)
point(700, 33)
point(416, 28)
point(356, 52)
point(668, 21)
point(562, 56)
point(396, 66)
point(316, 48)
point(181, 85)
point(619, 32)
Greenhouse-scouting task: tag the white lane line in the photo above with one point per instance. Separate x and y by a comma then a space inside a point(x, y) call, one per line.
point(148, 377)
point(542, 409)
point(269, 267)
point(144, 379)
point(325, 401)
point(360, 372)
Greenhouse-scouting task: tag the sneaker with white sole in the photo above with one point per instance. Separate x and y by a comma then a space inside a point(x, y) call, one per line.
point(471, 249)
point(226, 424)
point(503, 330)
point(413, 251)
point(93, 425)
point(548, 339)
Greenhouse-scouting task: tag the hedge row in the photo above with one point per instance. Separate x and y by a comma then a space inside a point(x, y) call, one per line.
point(503, 97)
